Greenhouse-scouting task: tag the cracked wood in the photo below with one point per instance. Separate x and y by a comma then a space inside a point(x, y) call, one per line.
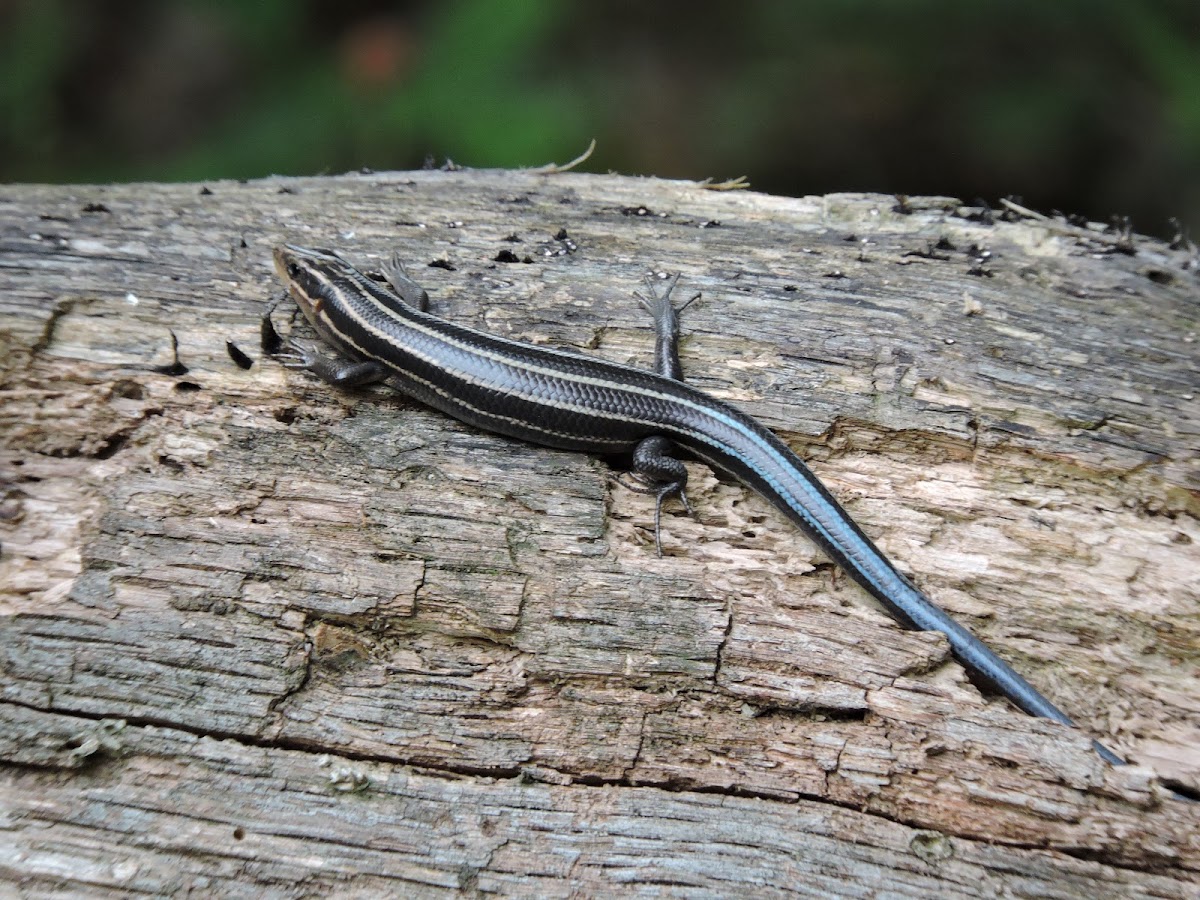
point(307, 604)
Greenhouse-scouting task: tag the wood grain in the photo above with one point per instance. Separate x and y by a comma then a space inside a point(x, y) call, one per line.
point(259, 637)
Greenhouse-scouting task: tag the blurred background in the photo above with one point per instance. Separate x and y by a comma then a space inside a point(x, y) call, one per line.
point(1088, 107)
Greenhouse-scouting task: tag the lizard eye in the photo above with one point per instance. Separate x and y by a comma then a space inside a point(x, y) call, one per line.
point(293, 270)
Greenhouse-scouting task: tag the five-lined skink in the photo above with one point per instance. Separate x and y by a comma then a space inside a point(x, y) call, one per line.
point(570, 401)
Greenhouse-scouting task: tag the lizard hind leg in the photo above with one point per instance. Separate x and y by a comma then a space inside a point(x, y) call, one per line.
point(666, 326)
point(664, 476)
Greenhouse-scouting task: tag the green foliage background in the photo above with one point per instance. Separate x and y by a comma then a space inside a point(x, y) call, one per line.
point(1090, 107)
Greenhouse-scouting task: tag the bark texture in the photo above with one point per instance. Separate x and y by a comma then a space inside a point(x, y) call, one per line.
point(259, 637)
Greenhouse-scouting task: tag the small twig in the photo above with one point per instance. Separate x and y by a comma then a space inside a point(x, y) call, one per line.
point(1022, 210)
point(555, 168)
point(731, 184)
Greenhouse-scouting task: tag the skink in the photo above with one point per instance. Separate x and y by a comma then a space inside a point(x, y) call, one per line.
point(570, 401)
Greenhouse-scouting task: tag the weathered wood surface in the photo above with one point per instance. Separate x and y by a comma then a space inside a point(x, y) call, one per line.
point(258, 636)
